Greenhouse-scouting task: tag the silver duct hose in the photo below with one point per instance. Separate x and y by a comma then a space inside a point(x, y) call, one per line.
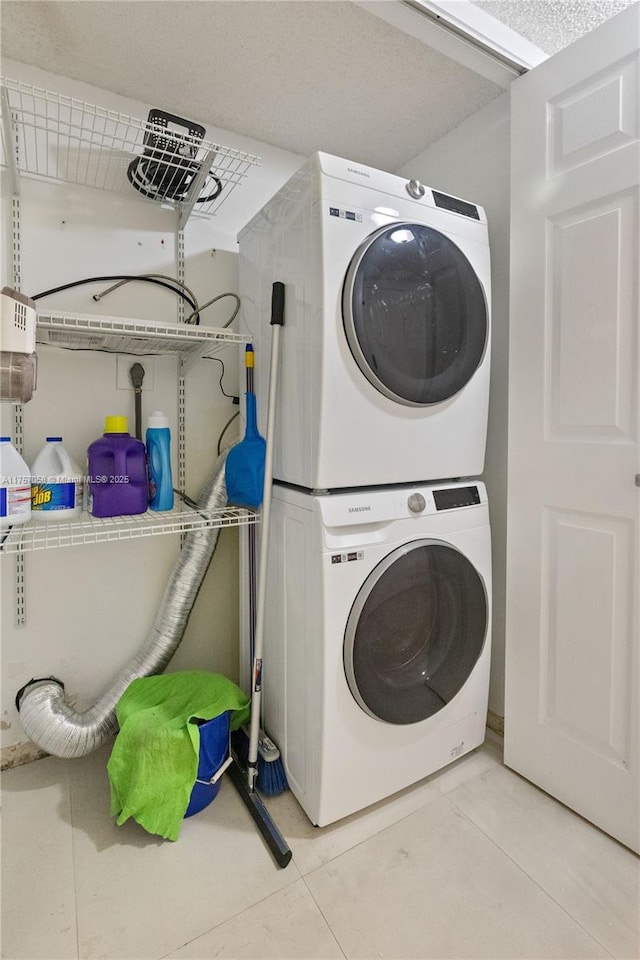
point(52, 724)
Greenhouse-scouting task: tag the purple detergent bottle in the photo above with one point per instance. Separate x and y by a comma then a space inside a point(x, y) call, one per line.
point(117, 472)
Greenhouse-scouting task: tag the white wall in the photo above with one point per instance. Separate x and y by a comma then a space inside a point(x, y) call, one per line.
point(473, 162)
point(89, 608)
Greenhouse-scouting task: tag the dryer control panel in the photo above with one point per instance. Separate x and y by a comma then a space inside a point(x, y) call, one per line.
point(455, 205)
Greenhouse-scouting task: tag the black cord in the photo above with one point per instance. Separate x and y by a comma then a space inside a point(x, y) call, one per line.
point(148, 174)
point(229, 395)
point(104, 350)
point(123, 276)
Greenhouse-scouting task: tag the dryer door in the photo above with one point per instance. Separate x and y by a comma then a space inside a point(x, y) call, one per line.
point(415, 314)
point(415, 632)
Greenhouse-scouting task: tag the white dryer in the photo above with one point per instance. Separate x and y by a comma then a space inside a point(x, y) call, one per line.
point(385, 353)
point(377, 638)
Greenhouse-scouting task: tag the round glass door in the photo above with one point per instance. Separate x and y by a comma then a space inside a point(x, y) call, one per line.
point(414, 313)
point(415, 632)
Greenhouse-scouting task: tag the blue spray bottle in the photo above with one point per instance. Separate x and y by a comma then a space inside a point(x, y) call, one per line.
point(158, 439)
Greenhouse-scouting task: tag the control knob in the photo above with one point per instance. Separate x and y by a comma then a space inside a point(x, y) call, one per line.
point(416, 503)
point(415, 189)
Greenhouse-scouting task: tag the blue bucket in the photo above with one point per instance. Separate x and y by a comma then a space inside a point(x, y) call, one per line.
point(214, 750)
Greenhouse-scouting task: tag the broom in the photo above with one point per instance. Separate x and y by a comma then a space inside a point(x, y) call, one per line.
point(246, 481)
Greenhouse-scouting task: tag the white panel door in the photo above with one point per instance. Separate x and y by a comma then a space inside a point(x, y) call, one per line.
point(572, 659)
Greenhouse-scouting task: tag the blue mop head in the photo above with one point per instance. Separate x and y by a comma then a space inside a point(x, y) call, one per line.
point(244, 467)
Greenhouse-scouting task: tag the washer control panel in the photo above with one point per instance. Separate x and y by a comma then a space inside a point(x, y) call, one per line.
point(373, 508)
point(451, 498)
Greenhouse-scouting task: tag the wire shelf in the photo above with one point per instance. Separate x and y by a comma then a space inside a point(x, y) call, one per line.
point(53, 137)
point(32, 536)
point(121, 335)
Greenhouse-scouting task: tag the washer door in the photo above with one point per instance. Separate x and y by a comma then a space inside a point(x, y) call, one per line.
point(414, 313)
point(415, 632)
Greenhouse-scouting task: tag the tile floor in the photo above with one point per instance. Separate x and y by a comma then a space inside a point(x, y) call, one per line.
point(473, 862)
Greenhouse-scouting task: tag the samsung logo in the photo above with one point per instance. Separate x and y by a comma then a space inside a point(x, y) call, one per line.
point(360, 173)
point(358, 509)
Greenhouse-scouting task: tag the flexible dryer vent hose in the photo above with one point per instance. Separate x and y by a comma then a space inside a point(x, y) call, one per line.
point(52, 724)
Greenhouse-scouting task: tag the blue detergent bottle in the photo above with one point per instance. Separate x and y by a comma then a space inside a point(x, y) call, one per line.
point(158, 438)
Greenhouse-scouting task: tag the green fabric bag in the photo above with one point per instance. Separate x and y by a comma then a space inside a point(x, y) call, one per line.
point(154, 760)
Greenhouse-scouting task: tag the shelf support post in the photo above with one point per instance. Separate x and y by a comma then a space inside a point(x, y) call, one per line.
point(11, 137)
point(182, 472)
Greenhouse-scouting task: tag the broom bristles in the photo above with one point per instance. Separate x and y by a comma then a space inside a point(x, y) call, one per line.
point(271, 779)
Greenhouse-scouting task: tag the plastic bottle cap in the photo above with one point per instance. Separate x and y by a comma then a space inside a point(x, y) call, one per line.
point(116, 425)
point(157, 419)
point(53, 439)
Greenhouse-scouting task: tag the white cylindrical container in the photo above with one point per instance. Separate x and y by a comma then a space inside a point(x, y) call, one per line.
point(56, 483)
point(15, 486)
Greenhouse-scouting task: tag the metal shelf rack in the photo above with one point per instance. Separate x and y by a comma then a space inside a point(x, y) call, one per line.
point(122, 335)
point(49, 136)
point(33, 536)
point(53, 138)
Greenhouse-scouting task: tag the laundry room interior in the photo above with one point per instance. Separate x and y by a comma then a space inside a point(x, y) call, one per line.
point(424, 586)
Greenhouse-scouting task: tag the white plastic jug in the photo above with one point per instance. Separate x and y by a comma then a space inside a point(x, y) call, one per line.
point(15, 486)
point(56, 483)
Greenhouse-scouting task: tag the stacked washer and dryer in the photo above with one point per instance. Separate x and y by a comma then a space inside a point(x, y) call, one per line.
point(378, 616)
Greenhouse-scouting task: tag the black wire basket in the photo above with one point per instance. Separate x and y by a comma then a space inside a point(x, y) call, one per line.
point(169, 163)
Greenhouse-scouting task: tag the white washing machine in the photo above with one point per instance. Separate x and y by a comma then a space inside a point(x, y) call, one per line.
point(377, 638)
point(385, 353)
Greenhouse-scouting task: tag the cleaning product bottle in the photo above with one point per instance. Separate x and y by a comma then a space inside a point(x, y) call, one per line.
point(15, 486)
point(158, 438)
point(117, 467)
point(56, 483)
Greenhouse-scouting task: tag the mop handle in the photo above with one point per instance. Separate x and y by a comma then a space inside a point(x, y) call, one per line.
point(249, 363)
point(277, 321)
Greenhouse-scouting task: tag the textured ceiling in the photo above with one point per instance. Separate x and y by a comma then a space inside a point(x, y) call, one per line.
point(303, 76)
point(552, 24)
